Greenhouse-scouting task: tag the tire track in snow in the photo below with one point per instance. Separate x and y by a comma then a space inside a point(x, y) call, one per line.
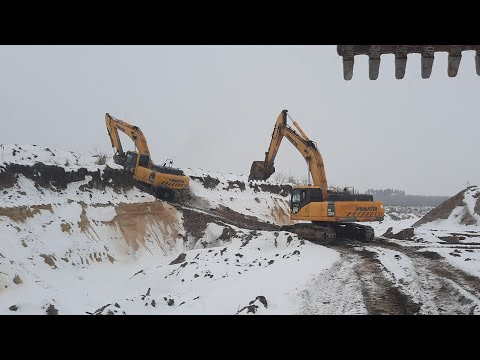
point(433, 284)
point(335, 291)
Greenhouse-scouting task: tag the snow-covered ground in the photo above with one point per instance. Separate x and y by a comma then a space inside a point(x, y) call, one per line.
point(78, 247)
point(75, 239)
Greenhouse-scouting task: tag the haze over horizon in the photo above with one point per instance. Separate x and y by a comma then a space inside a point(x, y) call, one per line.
point(214, 107)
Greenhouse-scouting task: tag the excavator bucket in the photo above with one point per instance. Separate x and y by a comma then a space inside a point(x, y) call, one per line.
point(348, 53)
point(259, 172)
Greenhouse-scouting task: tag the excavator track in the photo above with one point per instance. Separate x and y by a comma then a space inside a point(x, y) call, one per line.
point(354, 231)
point(328, 233)
point(324, 235)
point(161, 193)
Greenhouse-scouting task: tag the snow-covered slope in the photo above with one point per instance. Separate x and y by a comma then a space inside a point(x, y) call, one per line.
point(75, 235)
point(460, 211)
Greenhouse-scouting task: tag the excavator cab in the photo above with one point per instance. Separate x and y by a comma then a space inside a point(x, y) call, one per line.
point(303, 195)
point(127, 160)
point(131, 160)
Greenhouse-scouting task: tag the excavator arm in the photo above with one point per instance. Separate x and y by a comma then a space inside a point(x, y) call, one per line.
point(262, 170)
point(133, 132)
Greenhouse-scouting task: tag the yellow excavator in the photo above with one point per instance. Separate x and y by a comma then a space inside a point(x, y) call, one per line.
point(333, 214)
point(427, 52)
point(164, 181)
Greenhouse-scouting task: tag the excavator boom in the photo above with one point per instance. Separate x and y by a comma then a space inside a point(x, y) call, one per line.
point(133, 132)
point(262, 170)
point(348, 52)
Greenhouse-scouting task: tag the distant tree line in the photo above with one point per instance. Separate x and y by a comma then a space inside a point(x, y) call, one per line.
point(390, 197)
point(394, 197)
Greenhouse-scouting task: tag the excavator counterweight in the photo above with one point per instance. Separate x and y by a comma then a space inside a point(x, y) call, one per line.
point(427, 52)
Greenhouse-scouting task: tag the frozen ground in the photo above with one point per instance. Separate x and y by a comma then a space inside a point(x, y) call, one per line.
point(88, 243)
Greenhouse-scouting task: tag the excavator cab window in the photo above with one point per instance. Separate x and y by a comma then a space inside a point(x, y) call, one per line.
point(296, 199)
point(302, 197)
point(144, 160)
point(131, 161)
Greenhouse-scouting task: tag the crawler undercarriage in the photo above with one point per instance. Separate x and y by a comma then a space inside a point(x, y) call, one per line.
point(327, 233)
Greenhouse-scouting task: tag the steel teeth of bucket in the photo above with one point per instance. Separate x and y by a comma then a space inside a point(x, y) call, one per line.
point(477, 62)
point(401, 52)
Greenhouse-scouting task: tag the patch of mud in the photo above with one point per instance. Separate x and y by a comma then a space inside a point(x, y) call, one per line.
point(56, 178)
point(380, 294)
point(477, 204)
point(451, 239)
point(254, 305)
point(207, 181)
point(66, 227)
point(49, 260)
point(441, 287)
point(243, 221)
point(180, 259)
point(22, 213)
point(406, 234)
point(235, 185)
point(210, 183)
point(432, 255)
point(227, 233)
point(195, 222)
point(282, 190)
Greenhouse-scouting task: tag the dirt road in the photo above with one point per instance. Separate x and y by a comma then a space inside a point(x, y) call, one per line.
point(387, 278)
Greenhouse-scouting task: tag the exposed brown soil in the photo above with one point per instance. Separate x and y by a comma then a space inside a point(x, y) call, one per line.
point(65, 227)
point(49, 260)
point(443, 210)
point(279, 215)
point(22, 213)
point(138, 222)
point(17, 280)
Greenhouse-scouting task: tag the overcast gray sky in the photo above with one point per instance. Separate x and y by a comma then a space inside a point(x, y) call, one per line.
point(214, 107)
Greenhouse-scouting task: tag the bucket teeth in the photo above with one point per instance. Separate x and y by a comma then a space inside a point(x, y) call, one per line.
point(477, 63)
point(373, 68)
point(348, 54)
point(347, 69)
point(427, 64)
point(400, 65)
point(453, 64)
point(374, 52)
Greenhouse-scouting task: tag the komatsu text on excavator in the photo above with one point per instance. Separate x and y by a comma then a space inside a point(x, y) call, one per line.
point(332, 213)
point(161, 181)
